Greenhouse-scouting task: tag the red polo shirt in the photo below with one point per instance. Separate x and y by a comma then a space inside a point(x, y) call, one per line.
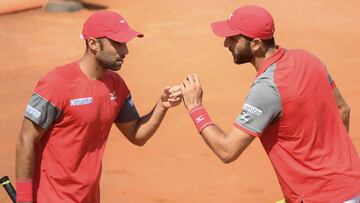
point(77, 114)
point(292, 108)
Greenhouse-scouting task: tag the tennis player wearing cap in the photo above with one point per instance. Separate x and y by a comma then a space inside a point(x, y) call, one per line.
point(292, 107)
point(70, 113)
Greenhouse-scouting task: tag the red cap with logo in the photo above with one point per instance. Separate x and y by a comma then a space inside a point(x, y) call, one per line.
point(251, 21)
point(108, 24)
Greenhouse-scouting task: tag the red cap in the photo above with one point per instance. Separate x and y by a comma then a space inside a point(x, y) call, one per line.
point(251, 21)
point(108, 24)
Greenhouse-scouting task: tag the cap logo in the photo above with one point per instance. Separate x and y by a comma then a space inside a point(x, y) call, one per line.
point(230, 16)
point(122, 21)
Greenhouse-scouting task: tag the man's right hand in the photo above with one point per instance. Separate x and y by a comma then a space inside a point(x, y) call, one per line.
point(191, 91)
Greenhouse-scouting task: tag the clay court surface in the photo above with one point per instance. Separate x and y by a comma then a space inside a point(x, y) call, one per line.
point(176, 166)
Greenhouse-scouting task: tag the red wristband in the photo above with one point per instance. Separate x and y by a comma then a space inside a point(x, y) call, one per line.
point(24, 192)
point(200, 117)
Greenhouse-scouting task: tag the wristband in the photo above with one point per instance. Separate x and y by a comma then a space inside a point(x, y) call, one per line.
point(200, 117)
point(24, 191)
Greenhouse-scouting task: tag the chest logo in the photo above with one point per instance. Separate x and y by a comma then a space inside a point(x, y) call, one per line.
point(113, 96)
point(81, 101)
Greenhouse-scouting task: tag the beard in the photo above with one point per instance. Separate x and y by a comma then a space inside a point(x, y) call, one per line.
point(244, 56)
point(107, 62)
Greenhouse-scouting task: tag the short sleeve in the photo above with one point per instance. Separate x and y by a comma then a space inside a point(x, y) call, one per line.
point(46, 103)
point(128, 111)
point(261, 108)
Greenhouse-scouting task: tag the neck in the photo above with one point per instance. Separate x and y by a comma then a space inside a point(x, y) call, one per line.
point(258, 59)
point(90, 67)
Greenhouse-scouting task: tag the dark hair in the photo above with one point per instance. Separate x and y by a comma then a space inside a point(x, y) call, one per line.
point(269, 43)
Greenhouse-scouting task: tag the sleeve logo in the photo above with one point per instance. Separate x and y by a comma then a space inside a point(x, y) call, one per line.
point(130, 102)
point(252, 109)
point(244, 117)
point(32, 111)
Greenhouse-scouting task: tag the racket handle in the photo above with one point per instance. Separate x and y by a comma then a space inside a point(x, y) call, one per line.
point(5, 182)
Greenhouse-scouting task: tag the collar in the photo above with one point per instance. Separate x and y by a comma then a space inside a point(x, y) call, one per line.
point(271, 60)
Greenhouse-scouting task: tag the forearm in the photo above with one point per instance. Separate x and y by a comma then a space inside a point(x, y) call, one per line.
point(148, 124)
point(215, 138)
point(226, 146)
point(25, 158)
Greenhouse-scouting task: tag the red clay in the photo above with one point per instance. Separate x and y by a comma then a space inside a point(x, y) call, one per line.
point(176, 166)
point(10, 6)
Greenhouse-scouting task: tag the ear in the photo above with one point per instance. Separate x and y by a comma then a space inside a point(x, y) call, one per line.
point(256, 44)
point(93, 44)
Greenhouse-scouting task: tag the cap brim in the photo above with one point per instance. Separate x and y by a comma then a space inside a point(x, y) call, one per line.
point(125, 35)
point(223, 29)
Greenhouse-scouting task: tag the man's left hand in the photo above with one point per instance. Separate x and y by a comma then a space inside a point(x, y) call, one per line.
point(171, 96)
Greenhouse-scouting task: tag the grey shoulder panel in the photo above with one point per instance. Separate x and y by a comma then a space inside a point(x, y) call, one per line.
point(42, 112)
point(263, 103)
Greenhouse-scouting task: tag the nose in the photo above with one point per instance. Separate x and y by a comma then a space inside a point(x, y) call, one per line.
point(122, 50)
point(126, 50)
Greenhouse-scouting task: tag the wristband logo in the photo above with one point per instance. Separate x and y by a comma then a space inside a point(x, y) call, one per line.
point(199, 119)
